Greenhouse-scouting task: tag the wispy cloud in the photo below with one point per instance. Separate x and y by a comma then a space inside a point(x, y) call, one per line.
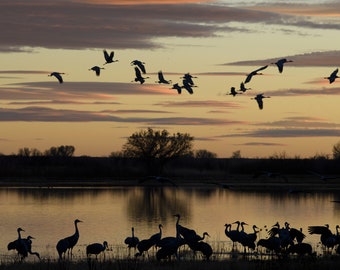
point(205, 103)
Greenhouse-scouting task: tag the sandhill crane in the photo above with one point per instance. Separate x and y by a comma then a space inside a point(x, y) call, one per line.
point(28, 245)
point(280, 63)
point(161, 78)
point(140, 64)
point(283, 233)
point(253, 73)
point(188, 77)
point(143, 246)
point(203, 247)
point(132, 241)
point(233, 235)
point(327, 238)
point(300, 249)
point(109, 58)
point(188, 86)
point(259, 99)
point(19, 245)
point(96, 69)
point(139, 77)
point(272, 243)
point(96, 248)
point(157, 236)
point(177, 87)
point(58, 76)
point(69, 242)
point(333, 76)
point(243, 88)
point(233, 92)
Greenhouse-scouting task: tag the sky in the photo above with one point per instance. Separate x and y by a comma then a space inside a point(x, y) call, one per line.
point(218, 42)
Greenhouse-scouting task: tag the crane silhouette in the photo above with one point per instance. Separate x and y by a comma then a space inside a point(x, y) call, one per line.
point(96, 249)
point(177, 87)
point(233, 91)
point(188, 77)
point(67, 243)
point(161, 78)
point(57, 75)
point(243, 88)
point(279, 63)
point(327, 238)
point(28, 245)
point(157, 236)
point(96, 69)
point(109, 57)
point(333, 76)
point(253, 73)
point(188, 86)
point(140, 64)
point(259, 99)
point(132, 241)
point(139, 77)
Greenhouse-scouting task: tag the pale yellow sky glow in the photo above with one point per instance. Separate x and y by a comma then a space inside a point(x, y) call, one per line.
point(216, 41)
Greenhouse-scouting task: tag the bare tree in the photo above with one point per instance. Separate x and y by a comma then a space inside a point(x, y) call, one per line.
point(202, 153)
point(60, 151)
point(336, 150)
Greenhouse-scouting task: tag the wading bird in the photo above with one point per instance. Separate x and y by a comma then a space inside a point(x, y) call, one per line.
point(132, 241)
point(69, 242)
point(280, 63)
point(161, 78)
point(327, 238)
point(333, 76)
point(58, 76)
point(28, 245)
point(259, 99)
point(139, 77)
point(19, 245)
point(140, 64)
point(109, 58)
point(96, 248)
point(157, 236)
point(96, 69)
point(253, 73)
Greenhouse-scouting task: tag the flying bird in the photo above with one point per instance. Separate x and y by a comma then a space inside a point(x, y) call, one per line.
point(253, 73)
point(161, 78)
point(109, 58)
point(177, 87)
point(188, 77)
point(58, 76)
point(139, 77)
point(188, 86)
point(243, 88)
point(259, 98)
point(333, 76)
point(140, 64)
point(96, 69)
point(233, 91)
point(280, 63)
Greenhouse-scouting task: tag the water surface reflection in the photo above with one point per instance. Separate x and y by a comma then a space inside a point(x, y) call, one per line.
point(109, 214)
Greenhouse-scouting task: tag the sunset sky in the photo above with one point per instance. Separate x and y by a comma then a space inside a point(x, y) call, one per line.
point(219, 42)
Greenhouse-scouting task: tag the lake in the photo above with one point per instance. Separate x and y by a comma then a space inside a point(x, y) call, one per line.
point(48, 214)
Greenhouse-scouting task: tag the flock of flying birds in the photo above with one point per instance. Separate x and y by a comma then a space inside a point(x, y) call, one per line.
point(187, 82)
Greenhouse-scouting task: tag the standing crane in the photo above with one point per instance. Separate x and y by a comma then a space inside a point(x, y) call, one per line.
point(67, 243)
point(96, 248)
point(132, 241)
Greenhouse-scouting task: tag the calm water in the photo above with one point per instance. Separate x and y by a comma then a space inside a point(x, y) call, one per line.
point(109, 214)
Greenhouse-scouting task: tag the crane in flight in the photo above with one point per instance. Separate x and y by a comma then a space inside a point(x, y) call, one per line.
point(188, 86)
point(139, 77)
point(177, 87)
point(109, 57)
point(57, 75)
point(259, 98)
point(96, 69)
point(233, 91)
point(140, 64)
point(333, 76)
point(280, 63)
point(253, 73)
point(161, 78)
point(243, 88)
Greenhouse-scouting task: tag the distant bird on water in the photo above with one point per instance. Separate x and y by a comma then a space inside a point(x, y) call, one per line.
point(109, 57)
point(259, 98)
point(333, 76)
point(96, 69)
point(58, 76)
point(280, 63)
point(253, 73)
point(69, 242)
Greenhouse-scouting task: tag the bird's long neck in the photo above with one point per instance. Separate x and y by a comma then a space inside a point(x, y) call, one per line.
point(160, 231)
point(76, 227)
point(19, 235)
point(133, 232)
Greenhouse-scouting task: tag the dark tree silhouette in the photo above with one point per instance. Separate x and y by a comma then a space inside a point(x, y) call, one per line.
point(157, 147)
point(336, 150)
point(60, 151)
